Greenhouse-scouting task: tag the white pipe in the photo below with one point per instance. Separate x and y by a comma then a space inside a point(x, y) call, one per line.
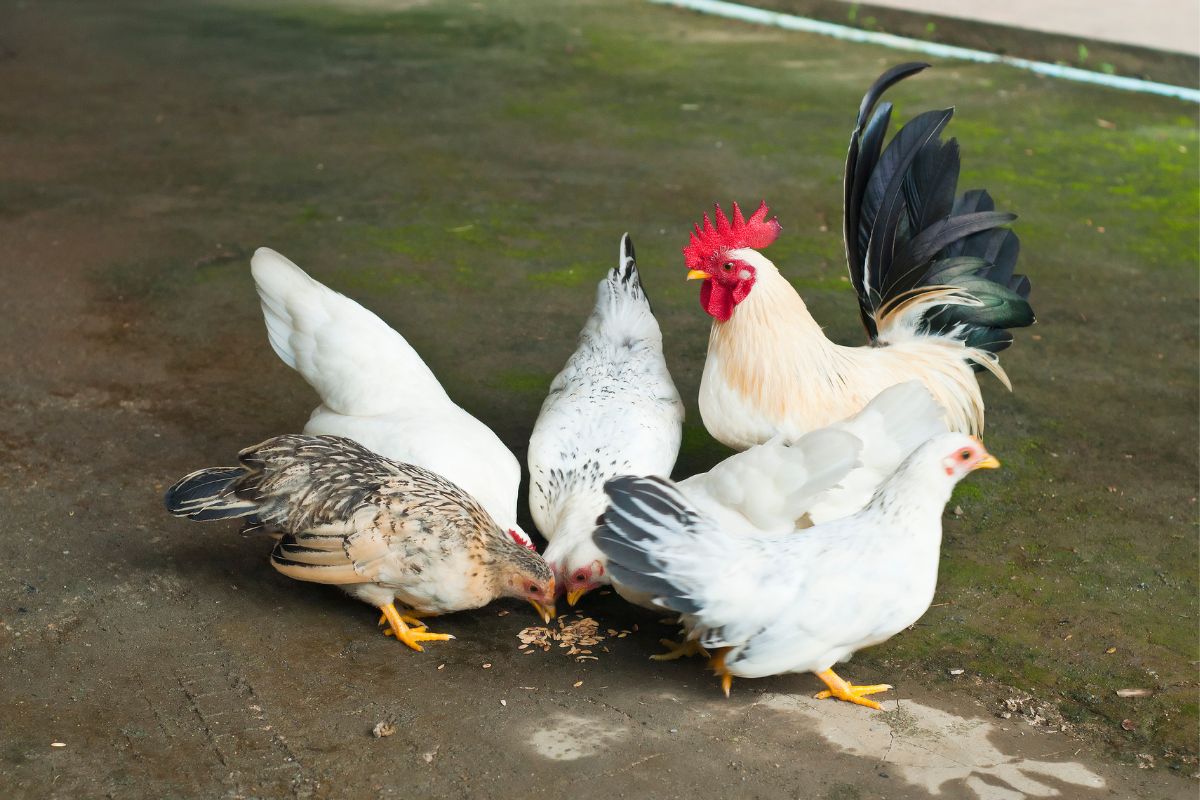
point(792, 22)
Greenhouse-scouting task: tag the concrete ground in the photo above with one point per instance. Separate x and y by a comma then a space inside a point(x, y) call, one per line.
point(1172, 25)
point(466, 170)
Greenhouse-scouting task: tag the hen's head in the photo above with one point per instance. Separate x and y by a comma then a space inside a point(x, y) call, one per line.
point(716, 254)
point(944, 460)
point(521, 537)
point(578, 567)
point(963, 454)
point(526, 575)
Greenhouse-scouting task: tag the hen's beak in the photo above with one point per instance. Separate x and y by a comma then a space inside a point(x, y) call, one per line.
point(697, 275)
point(545, 612)
point(574, 595)
point(990, 462)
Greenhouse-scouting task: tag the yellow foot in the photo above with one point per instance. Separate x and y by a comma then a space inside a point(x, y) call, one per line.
point(688, 647)
point(717, 663)
point(397, 628)
point(411, 618)
point(850, 693)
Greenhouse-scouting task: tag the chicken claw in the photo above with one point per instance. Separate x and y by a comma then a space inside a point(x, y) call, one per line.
point(688, 647)
point(402, 632)
point(717, 663)
point(850, 693)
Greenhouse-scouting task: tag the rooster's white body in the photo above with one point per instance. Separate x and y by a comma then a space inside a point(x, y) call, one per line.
point(376, 390)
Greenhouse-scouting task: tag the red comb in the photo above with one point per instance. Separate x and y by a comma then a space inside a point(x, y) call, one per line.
point(756, 232)
point(523, 542)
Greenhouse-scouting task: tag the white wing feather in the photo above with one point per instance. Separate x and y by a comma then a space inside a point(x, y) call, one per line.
point(376, 390)
point(772, 485)
point(830, 473)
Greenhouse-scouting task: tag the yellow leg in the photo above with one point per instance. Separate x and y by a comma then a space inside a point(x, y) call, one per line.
point(404, 634)
point(413, 618)
point(688, 647)
point(852, 694)
point(717, 663)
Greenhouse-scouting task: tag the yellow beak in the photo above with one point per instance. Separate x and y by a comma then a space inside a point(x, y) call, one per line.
point(574, 595)
point(991, 462)
point(545, 612)
point(697, 275)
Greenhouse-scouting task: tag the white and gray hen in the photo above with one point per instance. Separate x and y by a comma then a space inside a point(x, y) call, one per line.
point(612, 410)
point(776, 603)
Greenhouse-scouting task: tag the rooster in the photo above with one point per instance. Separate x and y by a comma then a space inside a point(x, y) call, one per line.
point(612, 410)
point(934, 278)
point(376, 390)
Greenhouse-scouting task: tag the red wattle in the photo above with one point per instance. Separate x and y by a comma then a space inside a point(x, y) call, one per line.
point(716, 300)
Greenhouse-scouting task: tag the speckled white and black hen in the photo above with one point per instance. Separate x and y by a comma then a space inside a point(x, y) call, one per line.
point(382, 530)
point(612, 410)
point(778, 603)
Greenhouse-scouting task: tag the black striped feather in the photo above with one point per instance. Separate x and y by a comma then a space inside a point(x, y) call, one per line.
point(645, 516)
point(208, 494)
point(905, 230)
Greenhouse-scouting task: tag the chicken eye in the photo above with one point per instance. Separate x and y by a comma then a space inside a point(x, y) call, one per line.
point(534, 588)
point(727, 266)
point(964, 455)
point(579, 577)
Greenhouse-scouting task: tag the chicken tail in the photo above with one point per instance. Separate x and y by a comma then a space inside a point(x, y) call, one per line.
point(622, 308)
point(624, 278)
point(922, 262)
point(357, 364)
point(209, 494)
point(647, 525)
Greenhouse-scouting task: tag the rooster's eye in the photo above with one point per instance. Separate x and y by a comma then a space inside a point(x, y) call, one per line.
point(964, 455)
point(533, 588)
point(727, 266)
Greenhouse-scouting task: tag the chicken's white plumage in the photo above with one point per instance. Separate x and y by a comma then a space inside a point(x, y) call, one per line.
point(791, 603)
point(779, 486)
point(375, 389)
point(612, 410)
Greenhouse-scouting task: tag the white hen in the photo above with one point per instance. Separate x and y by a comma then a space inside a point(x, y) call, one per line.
point(777, 603)
point(613, 410)
point(781, 487)
point(376, 390)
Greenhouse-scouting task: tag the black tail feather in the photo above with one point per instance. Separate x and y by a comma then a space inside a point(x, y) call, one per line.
point(208, 494)
point(905, 230)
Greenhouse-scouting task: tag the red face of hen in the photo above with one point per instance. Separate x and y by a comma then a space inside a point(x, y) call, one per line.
point(727, 280)
point(969, 455)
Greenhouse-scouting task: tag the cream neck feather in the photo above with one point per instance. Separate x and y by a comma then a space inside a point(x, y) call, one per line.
point(772, 370)
point(771, 348)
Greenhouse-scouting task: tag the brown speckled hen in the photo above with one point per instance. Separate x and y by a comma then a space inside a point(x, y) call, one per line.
point(383, 531)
